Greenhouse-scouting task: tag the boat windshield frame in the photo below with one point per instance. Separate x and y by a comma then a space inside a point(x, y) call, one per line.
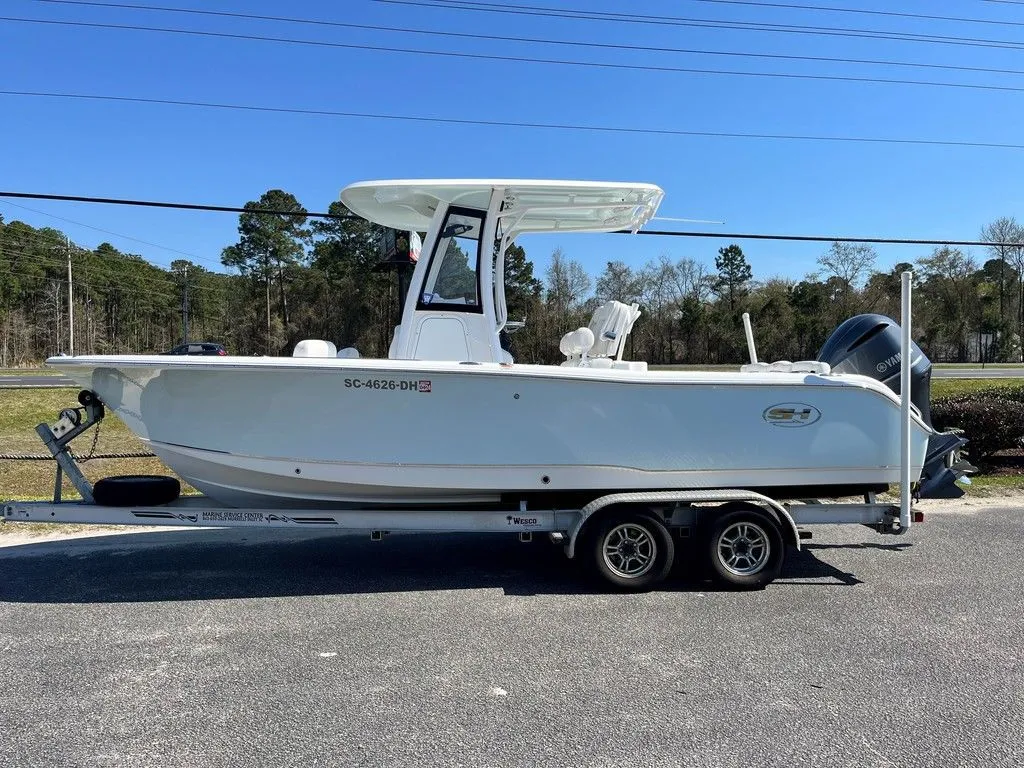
point(425, 300)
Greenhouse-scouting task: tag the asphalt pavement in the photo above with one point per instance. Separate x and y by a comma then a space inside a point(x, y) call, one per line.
point(29, 382)
point(988, 372)
point(270, 648)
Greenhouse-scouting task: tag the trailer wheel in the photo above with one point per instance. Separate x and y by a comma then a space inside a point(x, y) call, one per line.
point(745, 548)
point(631, 550)
point(136, 490)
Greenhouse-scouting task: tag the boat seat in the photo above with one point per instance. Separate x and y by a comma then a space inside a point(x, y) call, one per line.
point(315, 348)
point(784, 366)
point(600, 345)
point(611, 324)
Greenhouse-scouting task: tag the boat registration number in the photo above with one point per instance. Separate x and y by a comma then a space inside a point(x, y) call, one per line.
point(390, 385)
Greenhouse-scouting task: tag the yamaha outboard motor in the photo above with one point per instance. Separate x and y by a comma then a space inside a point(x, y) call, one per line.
point(869, 345)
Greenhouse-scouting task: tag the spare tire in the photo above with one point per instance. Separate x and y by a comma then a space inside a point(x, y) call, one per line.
point(136, 490)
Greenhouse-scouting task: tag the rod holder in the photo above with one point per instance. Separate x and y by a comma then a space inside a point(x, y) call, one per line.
point(749, 333)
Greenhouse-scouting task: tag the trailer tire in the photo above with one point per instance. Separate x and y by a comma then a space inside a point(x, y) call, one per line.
point(136, 490)
point(745, 549)
point(632, 551)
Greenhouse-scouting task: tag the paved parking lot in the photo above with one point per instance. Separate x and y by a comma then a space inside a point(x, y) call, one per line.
point(243, 648)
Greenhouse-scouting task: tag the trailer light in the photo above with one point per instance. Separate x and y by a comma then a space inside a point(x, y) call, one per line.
point(918, 516)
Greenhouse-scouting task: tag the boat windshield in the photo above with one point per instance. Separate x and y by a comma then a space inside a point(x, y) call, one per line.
point(452, 279)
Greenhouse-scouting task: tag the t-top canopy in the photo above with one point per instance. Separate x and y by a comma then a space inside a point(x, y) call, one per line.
point(529, 205)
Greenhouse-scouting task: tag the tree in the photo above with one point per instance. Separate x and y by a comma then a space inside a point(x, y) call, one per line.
point(848, 264)
point(567, 285)
point(949, 291)
point(1006, 230)
point(734, 274)
point(268, 243)
point(522, 289)
point(618, 283)
point(809, 298)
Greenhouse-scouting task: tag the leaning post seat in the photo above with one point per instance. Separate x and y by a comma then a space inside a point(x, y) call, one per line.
point(601, 344)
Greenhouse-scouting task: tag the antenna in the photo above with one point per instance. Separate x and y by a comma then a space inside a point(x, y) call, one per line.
point(688, 221)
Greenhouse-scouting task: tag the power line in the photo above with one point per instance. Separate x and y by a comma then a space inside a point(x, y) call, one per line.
point(860, 11)
point(662, 233)
point(115, 234)
point(676, 21)
point(517, 59)
point(487, 123)
point(58, 264)
point(155, 203)
point(818, 238)
point(57, 261)
point(540, 41)
point(94, 286)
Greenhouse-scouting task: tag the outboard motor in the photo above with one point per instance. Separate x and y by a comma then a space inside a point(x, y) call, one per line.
point(869, 345)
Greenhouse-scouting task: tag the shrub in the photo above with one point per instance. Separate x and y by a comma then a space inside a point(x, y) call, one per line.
point(991, 422)
point(1014, 393)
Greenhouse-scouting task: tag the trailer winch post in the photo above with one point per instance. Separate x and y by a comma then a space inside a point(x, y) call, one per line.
point(905, 365)
point(56, 439)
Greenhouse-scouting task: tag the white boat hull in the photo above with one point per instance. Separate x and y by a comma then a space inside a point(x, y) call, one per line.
point(274, 432)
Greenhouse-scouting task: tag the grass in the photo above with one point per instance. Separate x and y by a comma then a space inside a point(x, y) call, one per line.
point(950, 387)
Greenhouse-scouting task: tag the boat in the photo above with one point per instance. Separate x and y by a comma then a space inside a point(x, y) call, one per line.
point(450, 419)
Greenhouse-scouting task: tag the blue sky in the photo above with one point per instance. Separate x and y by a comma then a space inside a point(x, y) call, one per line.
point(755, 185)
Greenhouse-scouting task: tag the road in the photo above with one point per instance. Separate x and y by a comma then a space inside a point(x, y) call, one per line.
point(988, 372)
point(248, 648)
point(31, 381)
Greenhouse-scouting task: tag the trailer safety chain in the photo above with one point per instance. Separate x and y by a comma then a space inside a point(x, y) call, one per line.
point(92, 448)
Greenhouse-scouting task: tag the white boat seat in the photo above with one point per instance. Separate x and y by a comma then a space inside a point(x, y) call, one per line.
point(611, 324)
point(601, 344)
point(784, 366)
point(315, 348)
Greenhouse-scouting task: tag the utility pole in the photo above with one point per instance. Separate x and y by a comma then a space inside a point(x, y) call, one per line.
point(71, 301)
point(184, 310)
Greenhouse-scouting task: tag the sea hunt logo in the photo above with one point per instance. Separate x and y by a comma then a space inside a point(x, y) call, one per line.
point(791, 414)
point(513, 520)
point(424, 386)
point(889, 362)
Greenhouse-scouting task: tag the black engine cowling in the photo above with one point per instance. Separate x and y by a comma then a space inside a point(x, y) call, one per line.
point(869, 345)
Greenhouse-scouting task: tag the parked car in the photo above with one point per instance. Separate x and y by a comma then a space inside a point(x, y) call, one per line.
point(197, 348)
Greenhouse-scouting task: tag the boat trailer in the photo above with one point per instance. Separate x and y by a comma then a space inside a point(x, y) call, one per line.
point(628, 539)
